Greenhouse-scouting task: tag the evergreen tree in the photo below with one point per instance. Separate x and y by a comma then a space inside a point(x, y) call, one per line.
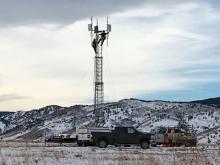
point(184, 125)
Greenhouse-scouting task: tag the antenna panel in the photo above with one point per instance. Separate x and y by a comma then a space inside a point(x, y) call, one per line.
point(109, 27)
point(89, 27)
point(96, 29)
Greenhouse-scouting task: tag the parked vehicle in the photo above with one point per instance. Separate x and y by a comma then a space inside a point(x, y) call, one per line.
point(120, 136)
point(82, 137)
point(172, 136)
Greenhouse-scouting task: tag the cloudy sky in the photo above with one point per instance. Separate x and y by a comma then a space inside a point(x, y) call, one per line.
point(158, 49)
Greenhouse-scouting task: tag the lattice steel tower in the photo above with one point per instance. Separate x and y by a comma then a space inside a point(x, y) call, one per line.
point(97, 39)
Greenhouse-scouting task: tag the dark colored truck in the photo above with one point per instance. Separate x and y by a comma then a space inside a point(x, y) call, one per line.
point(121, 135)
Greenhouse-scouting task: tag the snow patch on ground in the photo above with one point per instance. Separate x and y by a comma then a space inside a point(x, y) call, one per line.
point(2, 127)
point(23, 153)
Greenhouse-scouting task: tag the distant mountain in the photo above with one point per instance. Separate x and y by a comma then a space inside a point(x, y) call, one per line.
point(210, 101)
point(3, 113)
point(202, 117)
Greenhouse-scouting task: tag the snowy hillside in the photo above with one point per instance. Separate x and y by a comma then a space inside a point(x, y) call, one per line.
point(201, 118)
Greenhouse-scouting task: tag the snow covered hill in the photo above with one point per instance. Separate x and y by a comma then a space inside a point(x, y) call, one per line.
point(198, 116)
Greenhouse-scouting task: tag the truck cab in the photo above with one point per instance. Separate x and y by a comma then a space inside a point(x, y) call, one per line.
point(126, 135)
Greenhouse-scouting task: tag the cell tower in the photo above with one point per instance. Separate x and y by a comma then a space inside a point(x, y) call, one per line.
point(97, 39)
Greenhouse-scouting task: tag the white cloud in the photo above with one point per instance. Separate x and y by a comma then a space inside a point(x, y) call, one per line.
point(163, 48)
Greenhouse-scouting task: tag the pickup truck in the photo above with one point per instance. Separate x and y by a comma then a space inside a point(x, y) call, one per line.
point(121, 135)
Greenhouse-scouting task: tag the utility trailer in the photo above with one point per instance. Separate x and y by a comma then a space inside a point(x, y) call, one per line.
point(82, 137)
point(62, 138)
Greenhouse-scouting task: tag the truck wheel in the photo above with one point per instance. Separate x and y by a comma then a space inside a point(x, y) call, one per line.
point(117, 145)
point(144, 144)
point(194, 143)
point(154, 145)
point(102, 143)
point(79, 144)
point(190, 144)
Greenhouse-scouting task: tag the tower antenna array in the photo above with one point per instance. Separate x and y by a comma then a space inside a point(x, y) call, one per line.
point(97, 39)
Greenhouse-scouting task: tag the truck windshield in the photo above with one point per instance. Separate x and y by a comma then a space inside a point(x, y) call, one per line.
point(161, 130)
point(152, 131)
point(131, 130)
